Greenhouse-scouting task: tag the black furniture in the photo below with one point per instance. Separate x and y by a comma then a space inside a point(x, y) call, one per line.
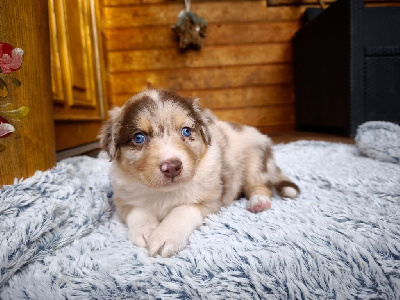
point(347, 67)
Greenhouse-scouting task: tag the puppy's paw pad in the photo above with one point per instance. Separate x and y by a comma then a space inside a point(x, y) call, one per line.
point(165, 244)
point(258, 203)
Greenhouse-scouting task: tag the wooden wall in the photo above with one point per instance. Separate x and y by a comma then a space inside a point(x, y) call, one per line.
point(244, 71)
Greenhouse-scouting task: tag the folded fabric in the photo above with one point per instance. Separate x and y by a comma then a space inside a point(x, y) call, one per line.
point(379, 140)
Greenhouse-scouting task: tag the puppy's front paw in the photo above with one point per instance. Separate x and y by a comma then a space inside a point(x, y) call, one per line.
point(166, 242)
point(140, 235)
point(258, 203)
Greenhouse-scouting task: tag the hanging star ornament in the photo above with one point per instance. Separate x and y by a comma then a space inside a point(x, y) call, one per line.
point(190, 29)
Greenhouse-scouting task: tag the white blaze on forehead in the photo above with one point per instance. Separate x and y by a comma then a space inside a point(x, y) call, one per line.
point(168, 151)
point(164, 115)
point(170, 113)
point(153, 94)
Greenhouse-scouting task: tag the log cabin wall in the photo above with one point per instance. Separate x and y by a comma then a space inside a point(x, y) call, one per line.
point(243, 72)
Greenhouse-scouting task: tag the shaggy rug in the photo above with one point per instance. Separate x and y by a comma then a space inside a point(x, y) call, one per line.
point(61, 239)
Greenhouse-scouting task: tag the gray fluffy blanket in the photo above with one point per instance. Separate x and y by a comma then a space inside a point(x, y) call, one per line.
point(60, 237)
point(379, 140)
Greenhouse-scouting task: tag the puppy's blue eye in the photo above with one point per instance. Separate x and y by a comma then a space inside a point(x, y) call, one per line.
point(139, 138)
point(186, 131)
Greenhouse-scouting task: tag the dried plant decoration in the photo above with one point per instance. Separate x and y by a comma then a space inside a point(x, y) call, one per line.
point(190, 28)
point(10, 61)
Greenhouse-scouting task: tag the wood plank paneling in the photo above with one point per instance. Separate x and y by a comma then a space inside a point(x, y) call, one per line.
point(205, 78)
point(213, 56)
point(252, 96)
point(70, 134)
point(303, 2)
point(244, 97)
point(243, 72)
point(217, 34)
point(137, 2)
point(215, 12)
point(258, 116)
point(269, 2)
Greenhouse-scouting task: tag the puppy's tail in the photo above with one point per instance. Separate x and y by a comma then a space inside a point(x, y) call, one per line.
point(287, 189)
point(283, 185)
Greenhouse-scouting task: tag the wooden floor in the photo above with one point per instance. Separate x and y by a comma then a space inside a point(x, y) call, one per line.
point(288, 137)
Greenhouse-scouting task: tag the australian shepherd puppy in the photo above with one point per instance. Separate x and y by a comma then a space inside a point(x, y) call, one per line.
point(173, 163)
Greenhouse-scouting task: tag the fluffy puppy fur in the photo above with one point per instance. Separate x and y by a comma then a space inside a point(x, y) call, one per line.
point(173, 163)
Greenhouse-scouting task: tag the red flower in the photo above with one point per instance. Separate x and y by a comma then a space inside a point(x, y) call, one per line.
point(5, 128)
point(10, 58)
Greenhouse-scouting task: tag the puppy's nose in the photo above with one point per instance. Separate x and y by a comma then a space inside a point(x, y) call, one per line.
point(171, 168)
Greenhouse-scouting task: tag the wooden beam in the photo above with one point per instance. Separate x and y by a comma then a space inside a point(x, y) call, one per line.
point(258, 116)
point(212, 56)
point(201, 78)
point(250, 96)
point(217, 34)
point(214, 12)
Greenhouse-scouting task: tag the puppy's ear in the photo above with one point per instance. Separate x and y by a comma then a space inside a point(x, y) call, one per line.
point(109, 133)
point(207, 118)
point(205, 134)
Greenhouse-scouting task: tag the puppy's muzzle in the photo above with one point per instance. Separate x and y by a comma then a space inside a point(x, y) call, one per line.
point(171, 168)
